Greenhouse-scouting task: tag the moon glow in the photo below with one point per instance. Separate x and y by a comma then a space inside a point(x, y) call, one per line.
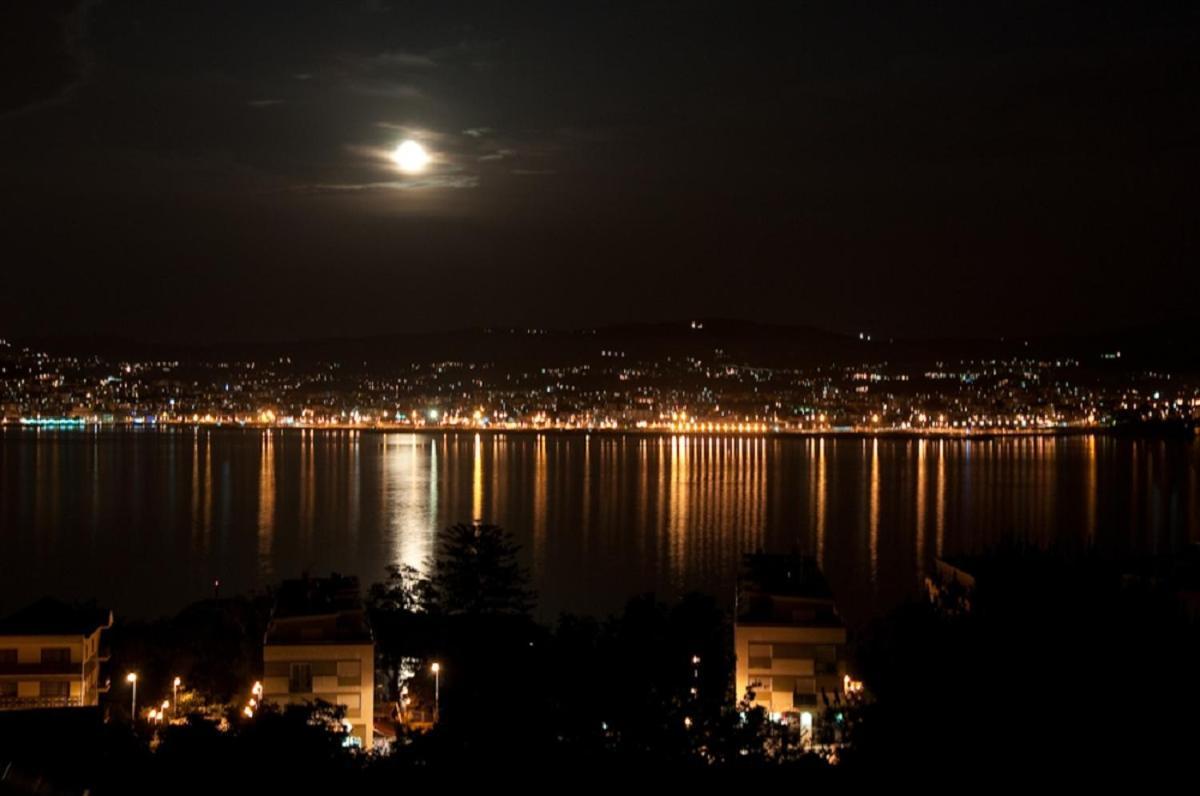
point(411, 157)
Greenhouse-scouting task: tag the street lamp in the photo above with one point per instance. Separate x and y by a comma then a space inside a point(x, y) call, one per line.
point(437, 687)
point(131, 678)
point(175, 698)
point(162, 714)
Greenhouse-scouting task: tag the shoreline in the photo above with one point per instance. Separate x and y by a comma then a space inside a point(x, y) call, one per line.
point(1181, 432)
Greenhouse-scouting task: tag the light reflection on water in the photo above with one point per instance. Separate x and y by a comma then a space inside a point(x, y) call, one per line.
point(146, 520)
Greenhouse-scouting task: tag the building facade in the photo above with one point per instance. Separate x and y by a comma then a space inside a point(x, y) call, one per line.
point(789, 641)
point(319, 648)
point(50, 656)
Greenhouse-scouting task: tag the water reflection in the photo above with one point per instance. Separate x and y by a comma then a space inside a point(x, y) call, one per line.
point(477, 481)
point(145, 521)
point(873, 512)
point(266, 502)
point(920, 523)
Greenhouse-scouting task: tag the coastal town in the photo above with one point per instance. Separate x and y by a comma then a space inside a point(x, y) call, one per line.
point(599, 389)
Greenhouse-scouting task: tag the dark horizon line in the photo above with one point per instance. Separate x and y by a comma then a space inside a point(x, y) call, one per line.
point(79, 339)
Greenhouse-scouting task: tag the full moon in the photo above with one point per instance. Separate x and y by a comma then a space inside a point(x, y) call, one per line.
point(411, 157)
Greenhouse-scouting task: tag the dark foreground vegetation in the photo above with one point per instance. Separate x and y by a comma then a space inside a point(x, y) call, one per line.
point(1050, 660)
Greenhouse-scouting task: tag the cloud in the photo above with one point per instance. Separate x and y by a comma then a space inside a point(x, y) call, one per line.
point(456, 181)
point(400, 59)
point(264, 103)
point(44, 45)
point(499, 154)
point(405, 91)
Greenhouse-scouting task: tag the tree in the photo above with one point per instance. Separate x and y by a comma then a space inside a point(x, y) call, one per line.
point(476, 573)
point(403, 630)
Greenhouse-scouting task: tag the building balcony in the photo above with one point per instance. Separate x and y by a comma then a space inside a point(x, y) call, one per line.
point(39, 668)
point(33, 703)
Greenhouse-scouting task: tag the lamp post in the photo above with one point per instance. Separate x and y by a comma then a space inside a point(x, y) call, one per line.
point(175, 698)
point(131, 678)
point(162, 714)
point(437, 688)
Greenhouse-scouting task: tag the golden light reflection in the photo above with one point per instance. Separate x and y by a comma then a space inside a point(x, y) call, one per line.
point(873, 511)
point(308, 484)
point(1090, 497)
point(539, 503)
point(920, 558)
point(678, 507)
point(409, 497)
point(195, 481)
point(940, 526)
point(208, 493)
point(499, 467)
point(585, 508)
point(354, 482)
point(434, 478)
point(477, 480)
point(1048, 483)
point(821, 500)
point(266, 501)
point(643, 499)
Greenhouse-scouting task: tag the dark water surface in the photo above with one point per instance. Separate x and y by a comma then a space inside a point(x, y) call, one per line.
point(145, 520)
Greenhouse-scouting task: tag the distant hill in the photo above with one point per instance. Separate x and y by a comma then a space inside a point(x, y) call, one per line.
point(1169, 347)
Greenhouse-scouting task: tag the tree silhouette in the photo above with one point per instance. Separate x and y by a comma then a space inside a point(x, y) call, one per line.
point(476, 573)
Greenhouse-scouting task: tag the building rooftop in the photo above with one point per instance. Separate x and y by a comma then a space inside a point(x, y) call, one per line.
point(784, 589)
point(319, 611)
point(51, 617)
point(784, 575)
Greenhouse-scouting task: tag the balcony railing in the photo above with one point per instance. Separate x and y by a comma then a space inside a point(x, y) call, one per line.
point(29, 703)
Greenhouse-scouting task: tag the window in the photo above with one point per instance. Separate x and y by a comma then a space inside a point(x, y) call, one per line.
point(760, 656)
point(8, 655)
point(793, 651)
point(300, 678)
point(56, 654)
point(8, 688)
point(826, 659)
point(55, 688)
point(349, 673)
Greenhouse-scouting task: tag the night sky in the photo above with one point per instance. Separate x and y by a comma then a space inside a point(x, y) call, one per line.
point(191, 171)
